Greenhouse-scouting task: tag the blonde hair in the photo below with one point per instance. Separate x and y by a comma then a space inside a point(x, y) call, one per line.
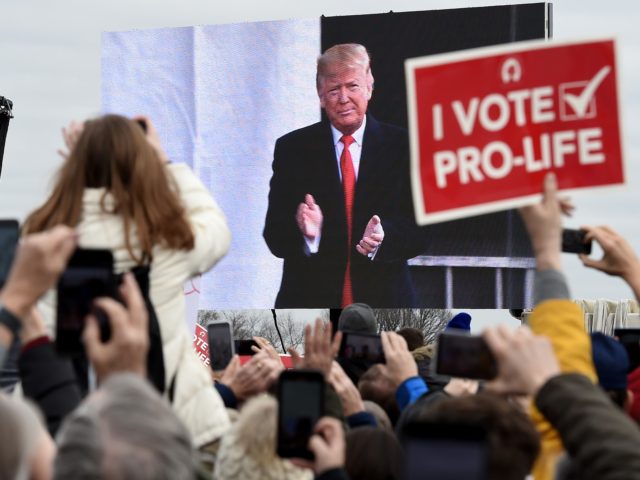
point(350, 55)
point(248, 450)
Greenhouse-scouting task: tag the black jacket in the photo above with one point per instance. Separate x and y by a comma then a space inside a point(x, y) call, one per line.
point(50, 381)
point(305, 162)
point(602, 442)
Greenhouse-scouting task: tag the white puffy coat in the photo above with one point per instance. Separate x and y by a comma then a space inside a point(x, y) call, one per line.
point(195, 401)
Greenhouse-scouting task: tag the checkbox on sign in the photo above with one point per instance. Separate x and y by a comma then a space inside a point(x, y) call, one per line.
point(577, 99)
point(572, 105)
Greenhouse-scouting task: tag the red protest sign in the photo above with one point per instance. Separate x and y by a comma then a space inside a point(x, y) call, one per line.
point(201, 344)
point(487, 125)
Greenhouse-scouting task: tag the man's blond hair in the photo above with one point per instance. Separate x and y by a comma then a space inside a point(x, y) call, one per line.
point(349, 55)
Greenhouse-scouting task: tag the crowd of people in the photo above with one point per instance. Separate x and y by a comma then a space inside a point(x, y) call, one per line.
point(139, 404)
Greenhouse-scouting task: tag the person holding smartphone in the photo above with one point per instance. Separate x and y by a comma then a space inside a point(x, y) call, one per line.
point(118, 190)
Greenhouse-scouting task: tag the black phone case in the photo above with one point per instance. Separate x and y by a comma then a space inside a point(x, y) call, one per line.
point(94, 268)
point(285, 447)
point(482, 366)
point(573, 242)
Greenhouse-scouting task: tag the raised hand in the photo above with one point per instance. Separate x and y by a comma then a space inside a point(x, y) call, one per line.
point(252, 378)
point(39, 260)
point(400, 363)
point(618, 259)
point(309, 218)
point(347, 392)
point(70, 134)
point(525, 361)
point(371, 238)
point(153, 138)
point(544, 224)
point(319, 348)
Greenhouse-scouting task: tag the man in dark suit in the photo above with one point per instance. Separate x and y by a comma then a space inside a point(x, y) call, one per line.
point(340, 211)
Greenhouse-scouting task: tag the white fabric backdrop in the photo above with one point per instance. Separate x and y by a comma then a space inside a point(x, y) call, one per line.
point(220, 96)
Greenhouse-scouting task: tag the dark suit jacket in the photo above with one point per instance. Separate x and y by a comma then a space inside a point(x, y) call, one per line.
point(305, 162)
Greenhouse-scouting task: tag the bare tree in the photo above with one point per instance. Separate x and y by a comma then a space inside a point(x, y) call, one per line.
point(292, 331)
point(244, 323)
point(429, 321)
point(207, 316)
point(249, 323)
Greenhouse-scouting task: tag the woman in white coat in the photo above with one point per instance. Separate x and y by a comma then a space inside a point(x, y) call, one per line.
point(118, 190)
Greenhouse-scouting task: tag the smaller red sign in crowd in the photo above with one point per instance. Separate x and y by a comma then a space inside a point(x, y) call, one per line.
point(486, 125)
point(201, 347)
point(201, 344)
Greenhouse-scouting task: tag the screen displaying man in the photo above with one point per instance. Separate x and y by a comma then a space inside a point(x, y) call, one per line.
point(340, 211)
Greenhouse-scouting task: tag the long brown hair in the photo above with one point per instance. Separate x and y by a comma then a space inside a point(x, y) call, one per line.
point(113, 153)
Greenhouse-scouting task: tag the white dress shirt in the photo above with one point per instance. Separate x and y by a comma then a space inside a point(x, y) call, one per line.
point(355, 149)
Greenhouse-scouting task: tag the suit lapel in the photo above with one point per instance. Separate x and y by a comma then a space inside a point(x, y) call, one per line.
point(328, 179)
point(367, 170)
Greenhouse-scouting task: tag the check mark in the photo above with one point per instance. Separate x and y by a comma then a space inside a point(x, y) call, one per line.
point(580, 103)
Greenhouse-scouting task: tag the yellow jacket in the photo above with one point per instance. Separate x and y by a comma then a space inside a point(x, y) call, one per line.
point(562, 321)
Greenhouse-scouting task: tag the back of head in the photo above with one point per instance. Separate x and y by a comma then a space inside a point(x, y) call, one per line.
point(513, 442)
point(113, 153)
point(248, 450)
point(376, 386)
point(358, 317)
point(345, 55)
point(382, 419)
point(373, 454)
point(124, 430)
point(19, 430)
point(612, 364)
point(413, 336)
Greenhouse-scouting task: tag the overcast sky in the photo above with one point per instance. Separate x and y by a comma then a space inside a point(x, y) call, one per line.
point(50, 68)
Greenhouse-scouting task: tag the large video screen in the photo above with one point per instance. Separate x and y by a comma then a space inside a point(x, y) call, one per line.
point(240, 104)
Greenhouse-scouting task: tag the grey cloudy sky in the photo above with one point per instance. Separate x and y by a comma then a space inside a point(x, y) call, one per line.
point(50, 68)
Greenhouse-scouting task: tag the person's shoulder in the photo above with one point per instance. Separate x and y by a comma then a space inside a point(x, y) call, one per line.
point(386, 128)
point(386, 134)
point(305, 133)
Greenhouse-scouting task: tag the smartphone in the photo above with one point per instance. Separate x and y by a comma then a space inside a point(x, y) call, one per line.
point(221, 348)
point(573, 241)
point(89, 274)
point(630, 340)
point(300, 406)
point(445, 451)
point(9, 234)
point(464, 356)
point(243, 347)
point(361, 348)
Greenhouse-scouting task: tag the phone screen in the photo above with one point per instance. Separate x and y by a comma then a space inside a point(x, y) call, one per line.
point(220, 345)
point(465, 356)
point(9, 233)
point(445, 452)
point(630, 340)
point(300, 406)
point(573, 241)
point(243, 347)
point(89, 274)
point(361, 348)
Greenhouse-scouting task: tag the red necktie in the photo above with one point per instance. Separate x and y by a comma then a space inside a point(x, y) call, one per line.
point(348, 186)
